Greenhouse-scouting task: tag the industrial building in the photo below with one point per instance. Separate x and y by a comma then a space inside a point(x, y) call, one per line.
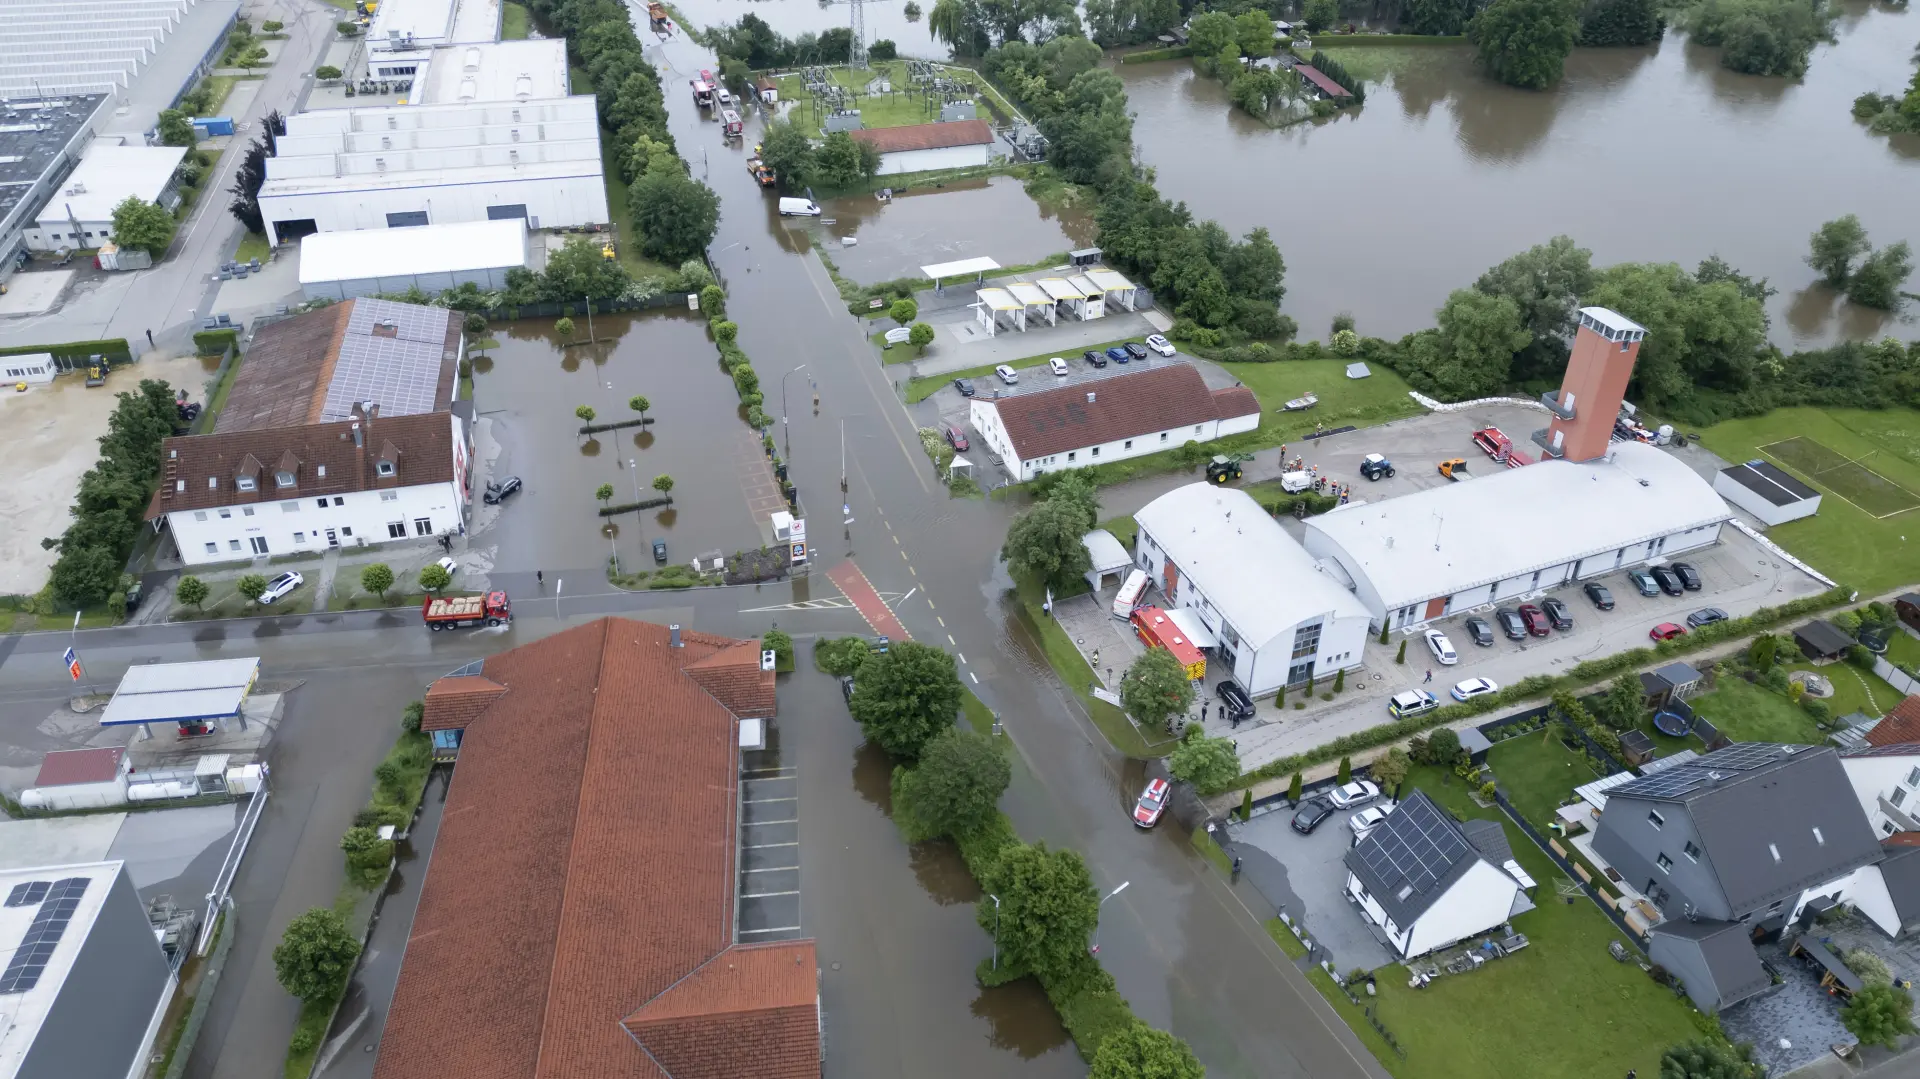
point(41, 140)
point(86, 984)
point(80, 213)
point(431, 258)
point(956, 144)
point(405, 32)
point(1276, 618)
point(108, 46)
point(1773, 496)
point(1591, 507)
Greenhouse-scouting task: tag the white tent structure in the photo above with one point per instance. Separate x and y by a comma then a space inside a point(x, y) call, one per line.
point(1038, 304)
point(432, 258)
point(1089, 299)
point(975, 268)
point(994, 304)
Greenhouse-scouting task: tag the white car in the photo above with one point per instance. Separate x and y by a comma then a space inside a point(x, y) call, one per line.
point(1441, 648)
point(1160, 344)
point(1474, 687)
point(1058, 366)
point(1357, 793)
point(1007, 374)
point(449, 565)
point(281, 585)
point(1367, 820)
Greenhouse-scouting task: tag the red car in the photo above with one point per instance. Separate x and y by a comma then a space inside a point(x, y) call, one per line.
point(1667, 631)
point(956, 438)
point(1152, 803)
point(1536, 620)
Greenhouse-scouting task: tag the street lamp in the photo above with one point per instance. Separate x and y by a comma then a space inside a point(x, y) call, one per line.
point(996, 930)
point(1095, 949)
point(786, 433)
point(639, 516)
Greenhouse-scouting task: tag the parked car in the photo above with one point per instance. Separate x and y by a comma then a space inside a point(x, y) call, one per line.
point(1511, 623)
point(1119, 355)
point(846, 687)
point(1058, 366)
point(1373, 466)
point(282, 585)
point(1160, 344)
point(660, 552)
point(964, 385)
point(1135, 349)
point(1643, 581)
point(1441, 648)
point(1557, 613)
point(1475, 687)
point(1411, 703)
point(1668, 580)
point(1234, 701)
point(1666, 631)
point(1152, 803)
point(1367, 820)
point(1706, 616)
point(449, 565)
point(1093, 358)
point(956, 437)
point(1312, 814)
point(1598, 593)
point(1536, 620)
point(1478, 629)
point(1007, 374)
point(1357, 793)
point(1689, 577)
point(499, 490)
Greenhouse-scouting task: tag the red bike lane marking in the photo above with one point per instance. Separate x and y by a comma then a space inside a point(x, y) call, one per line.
point(866, 599)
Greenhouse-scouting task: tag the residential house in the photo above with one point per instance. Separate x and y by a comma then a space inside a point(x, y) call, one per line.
point(1428, 881)
point(1907, 607)
point(1890, 895)
point(1715, 960)
point(1886, 780)
point(1900, 726)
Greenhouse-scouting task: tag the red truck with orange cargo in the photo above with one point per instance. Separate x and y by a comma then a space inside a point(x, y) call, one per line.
point(453, 612)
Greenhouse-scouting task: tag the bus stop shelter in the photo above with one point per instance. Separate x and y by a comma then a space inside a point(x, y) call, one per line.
point(976, 268)
point(196, 696)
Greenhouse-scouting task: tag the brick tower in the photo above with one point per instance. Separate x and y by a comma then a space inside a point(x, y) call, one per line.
point(1589, 398)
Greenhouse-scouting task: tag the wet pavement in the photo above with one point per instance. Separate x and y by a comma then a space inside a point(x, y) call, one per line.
point(989, 216)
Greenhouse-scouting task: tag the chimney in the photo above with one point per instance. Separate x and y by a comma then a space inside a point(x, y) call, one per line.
point(359, 437)
point(673, 635)
point(372, 409)
point(1089, 397)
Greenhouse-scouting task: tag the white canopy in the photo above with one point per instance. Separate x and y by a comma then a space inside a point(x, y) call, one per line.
point(1194, 629)
point(1028, 293)
point(962, 268)
point(1059, 289)
point(999, 299)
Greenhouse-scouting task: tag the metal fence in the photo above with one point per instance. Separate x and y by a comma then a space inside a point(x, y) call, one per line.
point(223, 881)
point(1895, 677)
point(203, 995)
point(1566, 866)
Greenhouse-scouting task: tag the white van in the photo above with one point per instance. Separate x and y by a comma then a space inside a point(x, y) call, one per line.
point(1131, 590)
point(1411, 703)
point(799, 208)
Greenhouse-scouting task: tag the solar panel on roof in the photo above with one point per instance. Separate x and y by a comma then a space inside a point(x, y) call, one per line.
point(28, 893)
point(467, 669)
point(1417, 844)
point(36, 947)
point(1676, 782)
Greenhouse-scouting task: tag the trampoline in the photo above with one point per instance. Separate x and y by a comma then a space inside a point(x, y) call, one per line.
point(1671, 724)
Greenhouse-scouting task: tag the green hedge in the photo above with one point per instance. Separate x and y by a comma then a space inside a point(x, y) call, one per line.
point(1577, 677)
point(214, 342)
point(1336, 41)
point(1149, 55)
point(112, 347)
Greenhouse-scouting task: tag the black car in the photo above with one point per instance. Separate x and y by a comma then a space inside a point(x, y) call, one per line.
point(1598, 593)
point(1557, 613)
point(1669, 581)
point(1478, 629)
point(1644, 581)
point(1706, 616)
point(1511, 623)
point(964, 385)
point(660, 551)
point(498, 490)
point(1689, 577)
point(1312, 813)
point(1135, 349)
point(1234, 701)
point(1093, 358)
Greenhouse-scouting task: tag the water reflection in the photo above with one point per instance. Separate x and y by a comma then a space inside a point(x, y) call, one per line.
point(990, 216)
point(1020, 1019)
point(873, 775)
point(940, 870)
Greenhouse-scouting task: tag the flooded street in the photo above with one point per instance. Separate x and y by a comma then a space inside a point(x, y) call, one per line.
point(1654, 154)
point(991, 216)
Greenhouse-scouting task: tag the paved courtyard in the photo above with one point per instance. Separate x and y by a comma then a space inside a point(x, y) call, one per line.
point(1304, 875)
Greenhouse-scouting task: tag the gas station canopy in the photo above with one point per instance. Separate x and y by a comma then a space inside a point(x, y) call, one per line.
point(181, 692)
point(939, 271)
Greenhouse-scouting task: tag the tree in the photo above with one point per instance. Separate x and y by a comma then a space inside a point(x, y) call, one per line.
point(1697, 334)
point(347, 29)
point(563, 326)
point(903, 311)
point(674, 214)
point(434, 577)
point(1442, 747)
point(1879, 1015)
point(315, 955)
point(1401, 655)
point(1391, 770)
point(1877, 282)
point(1294, 788)
point(780, 643)
point(1525, 42)
point(581, 270)
point(906, 696)
point(412, 715)
point(1048, 907)
point(957, 784)
point(663, 483)
point(272, 27)
point(585, 413)
point(882, 49)
point(1044, 543)
point(192, 591)
point(1155, 687)
point(252, 172)
point(1344, 775)
point(604, 493)
point(1625, 702)
point(1836, 245)
point(1471, 354)
point(1760, 37)
point(1210, 764)
point(1545, 282)
point(920, 336)
point(1320, 14)
point(377, 578)
point(639, 404)
point(176, 128)
point(326, 73)
point(1621, 22)
point(1138, 1051)
point(1260, 91)
point(1762, 651)
point(142, 226)
point(1710, 1060)
point(1253, 32)
point(911, 11)
point(251, 587)
point(786, 150)
point(1209, 32)
point(842, 162)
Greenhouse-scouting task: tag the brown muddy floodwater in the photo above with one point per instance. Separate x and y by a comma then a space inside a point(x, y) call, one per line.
point(530, 386)
point(991, 216)
point(1655, 154)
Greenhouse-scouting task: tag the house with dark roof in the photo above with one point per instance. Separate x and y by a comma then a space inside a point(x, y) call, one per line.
point(578, 916)
point(954, 144)
point(1715, 960)
point(1821, 639)
point(1906, 606)
point(1130, 413)
point(340, 431)
point(1424, 880)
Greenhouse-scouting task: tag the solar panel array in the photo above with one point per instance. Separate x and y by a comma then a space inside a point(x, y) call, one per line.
point(1417, 845)
point(401, 372)
point(1678, 782)
point(467, 669)
point(61, 899)
point(28, 893)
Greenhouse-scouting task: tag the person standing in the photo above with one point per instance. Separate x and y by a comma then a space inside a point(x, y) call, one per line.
point(1429, 675)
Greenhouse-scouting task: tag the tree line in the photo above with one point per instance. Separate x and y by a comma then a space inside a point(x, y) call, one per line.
point(1887, 114)
point(113, 497)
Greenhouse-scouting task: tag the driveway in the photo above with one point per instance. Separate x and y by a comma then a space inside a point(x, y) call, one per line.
point(1305, 876)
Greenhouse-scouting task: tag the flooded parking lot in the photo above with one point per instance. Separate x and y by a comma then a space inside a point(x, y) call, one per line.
point(988, 216)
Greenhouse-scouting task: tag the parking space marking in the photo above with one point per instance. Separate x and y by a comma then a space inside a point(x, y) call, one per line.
point(764, 846)
point(768, 895)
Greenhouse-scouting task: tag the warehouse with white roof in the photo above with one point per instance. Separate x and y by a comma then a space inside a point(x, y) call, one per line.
point(80, 213)
point(1438, 552)
point(1278, 617)
point(432, 258)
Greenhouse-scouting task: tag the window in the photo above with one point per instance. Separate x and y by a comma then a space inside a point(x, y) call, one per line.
point(1885, 829)
point(1129, 444)
point(1196, 428)
point(1665, 863)
point(1306, 641)
point(1913, 778)
point(389, 496)
point(1775, 909)
point(1071, 454)
point(245, 483)
point(320, 471)
point(214, 548)
point(396, 529)
point(284, 479)
point(1096, 451)
point(321, 502)
point(340, 501)
point(1163, 436)
point(1656, 819)
point(346, 531)
point(233, 545)
point(246, 511)
point(385, 468)
point(423, 526)
point(1691, 851)
point(199, 515)
point(299, 537)
point(226, 515)
point(1898, 797)
point(289, 507)
point(259, 544)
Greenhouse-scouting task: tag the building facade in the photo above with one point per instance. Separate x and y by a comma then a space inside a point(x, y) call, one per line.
point(1427, 881)
point(956, 144)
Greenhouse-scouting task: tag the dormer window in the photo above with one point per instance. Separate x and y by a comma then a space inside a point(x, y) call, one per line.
point(245, 483)
point(385, 468)
point(283, 479)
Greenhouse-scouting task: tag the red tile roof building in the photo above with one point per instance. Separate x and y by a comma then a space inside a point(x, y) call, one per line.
point(893, 140)
point(66, 766)
point(1902, 724)
point(577, 920)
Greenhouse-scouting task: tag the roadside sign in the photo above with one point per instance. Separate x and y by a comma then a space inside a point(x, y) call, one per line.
point(799, 553)
point(73, 663)
point(846, 511)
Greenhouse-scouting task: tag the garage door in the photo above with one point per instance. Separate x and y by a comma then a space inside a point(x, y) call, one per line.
point(507, 213)
point(407, 219)
point(1513, 586)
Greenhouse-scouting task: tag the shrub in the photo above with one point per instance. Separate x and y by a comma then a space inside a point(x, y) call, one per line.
point(1345, 775)
point(1487, 790)
point(303, 1040)
point(1400, 656)
point(1293, 788)
point(780, 644)
point(411, 715)
point(840, 655)
point(713, 303)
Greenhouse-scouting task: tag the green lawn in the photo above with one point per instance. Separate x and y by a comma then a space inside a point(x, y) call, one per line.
point(1124, 529)
point(1284, 937)
point(903, 107)
point(1210, 850)
point(1871, 554)
point(1073, 670)
point(1562, 1007)
point(1855, 690)
point(979, 716)
point(515, 21)
point(1746, 712)
point(253, 245)
point(1538, 772)
point(920, 389)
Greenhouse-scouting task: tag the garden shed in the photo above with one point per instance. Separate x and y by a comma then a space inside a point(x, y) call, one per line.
point(1106, 557)
point(1821, 639)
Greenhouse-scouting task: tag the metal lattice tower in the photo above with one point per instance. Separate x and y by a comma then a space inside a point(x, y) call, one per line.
point(859, 55)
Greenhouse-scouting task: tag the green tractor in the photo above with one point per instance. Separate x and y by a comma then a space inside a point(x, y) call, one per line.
point(1226, 467)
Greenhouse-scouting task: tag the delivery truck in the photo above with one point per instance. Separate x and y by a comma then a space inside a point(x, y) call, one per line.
point(453, 612)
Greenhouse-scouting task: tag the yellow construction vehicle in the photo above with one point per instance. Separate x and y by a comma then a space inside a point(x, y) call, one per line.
point(1454, 469)
point(97, 370)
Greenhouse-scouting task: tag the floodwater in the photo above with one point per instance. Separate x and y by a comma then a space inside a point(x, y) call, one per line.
point(530, 386)
point(1654, 154)
point(991, 216)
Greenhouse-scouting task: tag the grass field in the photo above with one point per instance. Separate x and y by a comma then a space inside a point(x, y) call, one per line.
point(903, 106)
point(1539, 772)
point(1746, 712)
point(515, 22)
point(1851, 542)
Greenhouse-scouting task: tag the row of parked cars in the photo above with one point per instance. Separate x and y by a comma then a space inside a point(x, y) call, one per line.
point(1314, 811)
point(1123, 353)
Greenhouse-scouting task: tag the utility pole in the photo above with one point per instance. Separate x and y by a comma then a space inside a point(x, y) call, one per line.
point(843, 457)
point(1095, 949)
